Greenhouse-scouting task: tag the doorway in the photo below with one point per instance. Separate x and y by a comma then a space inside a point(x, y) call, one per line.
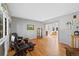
point(46, 33)
point(39, 33)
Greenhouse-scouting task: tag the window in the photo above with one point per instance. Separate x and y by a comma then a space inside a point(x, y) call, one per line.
point(5, 26)
point(1, 25)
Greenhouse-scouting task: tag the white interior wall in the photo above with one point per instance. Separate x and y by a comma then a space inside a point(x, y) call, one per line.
point(64, 30)
point(20, 26)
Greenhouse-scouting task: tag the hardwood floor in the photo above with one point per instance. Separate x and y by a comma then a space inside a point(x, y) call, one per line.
point(45, 47)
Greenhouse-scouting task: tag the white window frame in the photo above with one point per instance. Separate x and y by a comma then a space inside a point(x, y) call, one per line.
point(5, 15)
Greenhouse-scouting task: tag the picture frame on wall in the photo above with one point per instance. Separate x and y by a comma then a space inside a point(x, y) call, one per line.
point(30, 27)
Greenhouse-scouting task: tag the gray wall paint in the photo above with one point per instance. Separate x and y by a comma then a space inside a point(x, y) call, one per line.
point(13, 26)
point(20, 26)
point(64, 30)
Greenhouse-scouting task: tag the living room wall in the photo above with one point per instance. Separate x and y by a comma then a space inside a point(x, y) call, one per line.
point(65, 31)
point(19, 26)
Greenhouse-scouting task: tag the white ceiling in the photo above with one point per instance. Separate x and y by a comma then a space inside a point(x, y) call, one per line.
point(41, 11)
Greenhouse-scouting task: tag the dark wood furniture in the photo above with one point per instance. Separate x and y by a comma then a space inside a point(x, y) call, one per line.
point(24, 46)
point(22, 51)
point(72, 51)
point(31, 44)
point(21, 46)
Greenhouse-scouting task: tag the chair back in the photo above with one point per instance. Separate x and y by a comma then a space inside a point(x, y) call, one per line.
point(15, 36)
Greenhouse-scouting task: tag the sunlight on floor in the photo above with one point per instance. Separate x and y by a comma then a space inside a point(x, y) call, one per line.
point(53, 44)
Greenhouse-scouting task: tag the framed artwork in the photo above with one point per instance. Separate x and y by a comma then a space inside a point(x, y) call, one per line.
point(30, 27)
